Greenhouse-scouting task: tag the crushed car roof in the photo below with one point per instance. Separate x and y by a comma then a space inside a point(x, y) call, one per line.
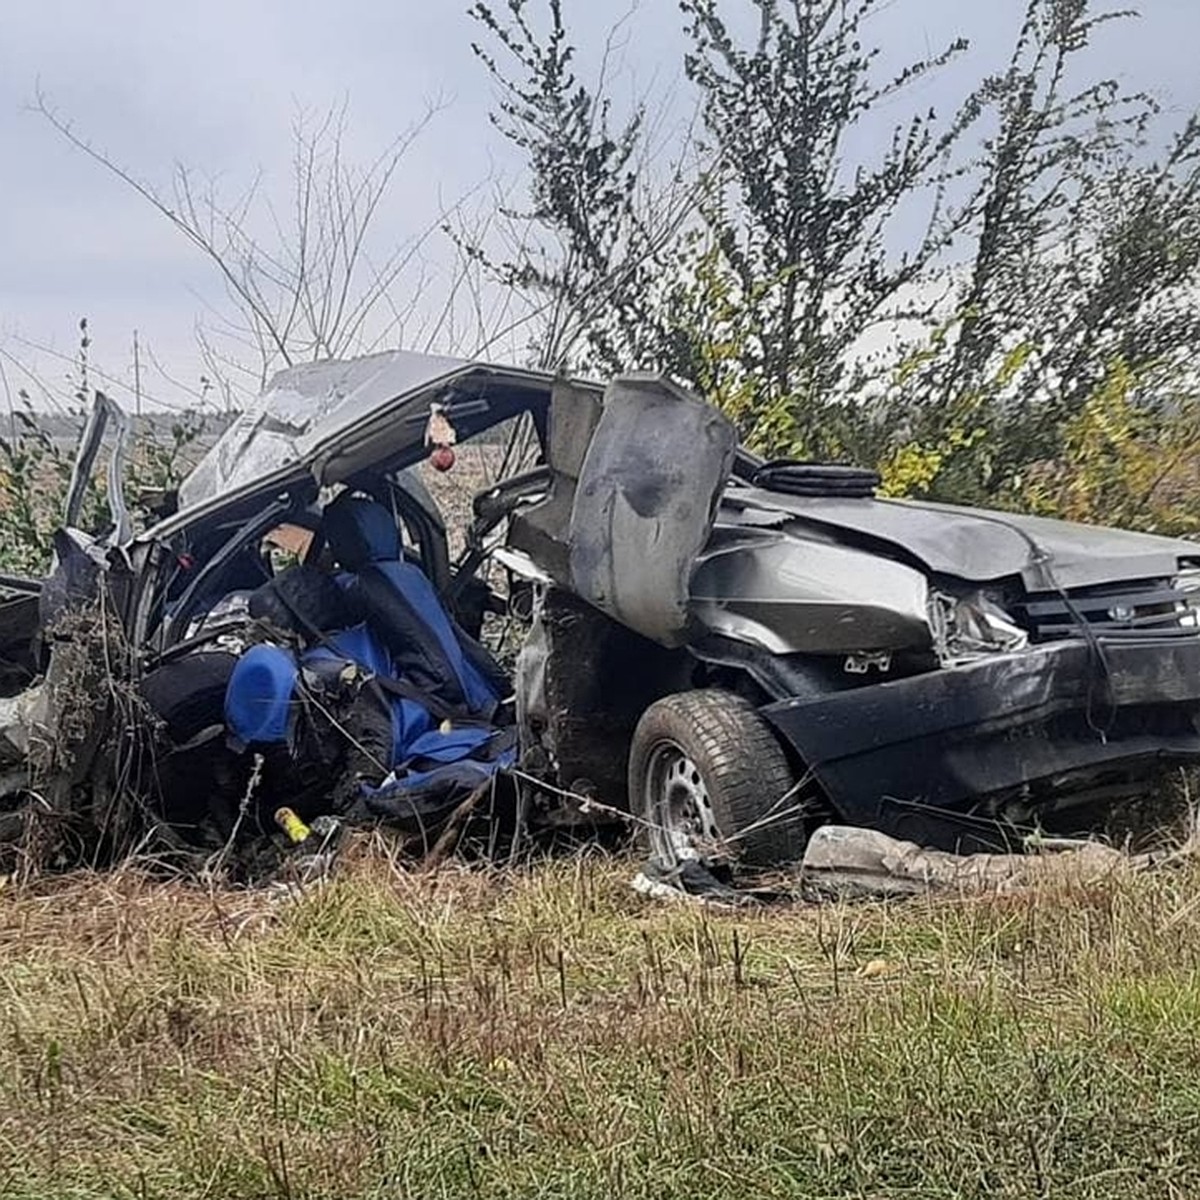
point(308, 410)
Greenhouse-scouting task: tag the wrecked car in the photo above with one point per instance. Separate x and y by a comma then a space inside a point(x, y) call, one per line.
point(727, 650)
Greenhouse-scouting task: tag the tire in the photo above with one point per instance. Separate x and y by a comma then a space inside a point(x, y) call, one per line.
point(710, 753)
point(189, 693)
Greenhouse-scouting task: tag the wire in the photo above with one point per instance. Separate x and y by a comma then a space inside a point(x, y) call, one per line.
point(112, 380)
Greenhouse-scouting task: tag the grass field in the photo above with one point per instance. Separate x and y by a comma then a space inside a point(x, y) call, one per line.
point(553, 1034)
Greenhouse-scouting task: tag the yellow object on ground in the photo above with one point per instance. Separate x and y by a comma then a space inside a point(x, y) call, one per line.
point(291, 824)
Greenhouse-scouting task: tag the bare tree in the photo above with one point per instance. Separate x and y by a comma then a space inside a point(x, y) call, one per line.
point(314, 280)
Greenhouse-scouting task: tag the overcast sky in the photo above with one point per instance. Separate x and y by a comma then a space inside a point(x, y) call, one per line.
point(216, 85)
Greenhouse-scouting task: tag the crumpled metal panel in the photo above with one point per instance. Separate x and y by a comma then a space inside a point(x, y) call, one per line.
point(981, 546)
point(645, 503)
point(918, 757)
point(787, 595)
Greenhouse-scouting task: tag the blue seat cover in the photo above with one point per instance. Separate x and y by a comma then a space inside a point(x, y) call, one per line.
point(259, 695)
point(406, 625)
point(401, 603)
point(410, 721)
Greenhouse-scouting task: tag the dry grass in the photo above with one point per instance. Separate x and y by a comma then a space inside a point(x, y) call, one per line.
point(551, 1034)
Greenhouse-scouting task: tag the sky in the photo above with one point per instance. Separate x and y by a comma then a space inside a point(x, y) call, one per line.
point(217, 86)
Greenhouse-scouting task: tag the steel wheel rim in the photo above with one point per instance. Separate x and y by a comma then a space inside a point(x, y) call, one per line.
point(683, 824)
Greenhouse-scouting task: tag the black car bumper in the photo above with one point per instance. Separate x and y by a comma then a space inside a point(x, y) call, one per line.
point(928, 757)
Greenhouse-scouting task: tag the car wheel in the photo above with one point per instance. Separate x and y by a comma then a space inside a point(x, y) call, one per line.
point(711, 781)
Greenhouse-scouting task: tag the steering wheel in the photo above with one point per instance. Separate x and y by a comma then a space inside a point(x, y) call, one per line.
point(490, 507)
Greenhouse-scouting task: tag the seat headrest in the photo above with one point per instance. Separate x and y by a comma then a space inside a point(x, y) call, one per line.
point(360, 531)
point(258, 696)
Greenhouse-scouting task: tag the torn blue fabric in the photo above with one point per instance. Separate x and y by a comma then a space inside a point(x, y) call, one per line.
point(467, 773)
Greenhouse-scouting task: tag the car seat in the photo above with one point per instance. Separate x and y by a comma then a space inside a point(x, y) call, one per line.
point(399, 603)
point(441, 693)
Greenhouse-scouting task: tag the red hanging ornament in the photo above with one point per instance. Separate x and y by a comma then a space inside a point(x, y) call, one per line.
point(441, 435)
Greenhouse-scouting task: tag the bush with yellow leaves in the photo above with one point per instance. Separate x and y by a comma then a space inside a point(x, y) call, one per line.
point(1128, 458)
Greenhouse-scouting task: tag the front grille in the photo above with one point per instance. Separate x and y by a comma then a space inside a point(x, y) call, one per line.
point(1150, 607)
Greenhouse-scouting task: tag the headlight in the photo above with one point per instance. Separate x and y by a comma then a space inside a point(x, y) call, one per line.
point(986, 621)
point(966, 628)
point(1188, 582)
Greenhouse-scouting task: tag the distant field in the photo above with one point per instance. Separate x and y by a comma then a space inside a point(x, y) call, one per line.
point(552, 1034)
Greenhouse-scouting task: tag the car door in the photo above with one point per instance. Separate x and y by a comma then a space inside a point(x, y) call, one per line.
point(105, 412)
point(644, 503)
point(80, 626)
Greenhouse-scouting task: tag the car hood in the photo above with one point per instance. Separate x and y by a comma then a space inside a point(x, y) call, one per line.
point(977, 545)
